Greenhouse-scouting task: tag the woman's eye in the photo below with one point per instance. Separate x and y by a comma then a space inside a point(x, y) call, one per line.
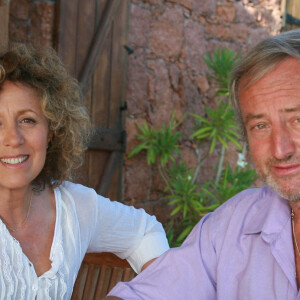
point(297, 120)
point(28, 121)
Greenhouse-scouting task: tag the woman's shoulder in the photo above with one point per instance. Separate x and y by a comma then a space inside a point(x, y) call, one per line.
point(76, 187)
point(78, 193)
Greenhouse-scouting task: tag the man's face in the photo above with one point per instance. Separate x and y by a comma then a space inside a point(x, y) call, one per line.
point(271, 115)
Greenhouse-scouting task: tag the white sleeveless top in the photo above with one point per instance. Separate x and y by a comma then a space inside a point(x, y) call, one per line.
point(85, 222)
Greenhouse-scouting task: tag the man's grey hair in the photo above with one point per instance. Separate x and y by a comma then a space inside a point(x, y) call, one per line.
point(261, 60)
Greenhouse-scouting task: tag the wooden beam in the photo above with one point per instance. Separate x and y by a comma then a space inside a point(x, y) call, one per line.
point(108, 139)
point(4, 17)
point(108, 173)
point(98, 42)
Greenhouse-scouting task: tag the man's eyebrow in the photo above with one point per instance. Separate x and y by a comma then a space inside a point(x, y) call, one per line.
point(292, 109)
point(251, 117)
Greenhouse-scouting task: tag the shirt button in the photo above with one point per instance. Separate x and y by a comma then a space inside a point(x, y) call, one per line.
point(34, 288)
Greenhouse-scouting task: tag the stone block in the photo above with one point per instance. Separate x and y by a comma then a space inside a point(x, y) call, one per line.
point(185, 3)
point(226, 13)
point(245, 14)
point(138, 26)
point(202, 84)
point(137, 83)
point(240, 33)
point(162, 104)
point(137, 179)
point(167, 33)
point(131, 132)
point(174, 75)
point(218, 31)
point(204, 8)
point(256, 35)
point(195, 44)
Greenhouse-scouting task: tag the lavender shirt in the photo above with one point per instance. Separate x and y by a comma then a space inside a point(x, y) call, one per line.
point(244, 250)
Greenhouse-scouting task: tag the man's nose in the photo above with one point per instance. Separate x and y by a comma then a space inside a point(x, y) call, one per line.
point(283, 145)
point(12, 136)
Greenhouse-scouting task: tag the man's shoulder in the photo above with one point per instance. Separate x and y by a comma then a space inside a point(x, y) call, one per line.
point(236, 211)
point(246, 200)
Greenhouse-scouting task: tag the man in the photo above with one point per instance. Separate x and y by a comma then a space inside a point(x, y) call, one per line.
point(248, 248)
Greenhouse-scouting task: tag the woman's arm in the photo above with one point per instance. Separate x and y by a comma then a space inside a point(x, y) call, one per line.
point(128, 232)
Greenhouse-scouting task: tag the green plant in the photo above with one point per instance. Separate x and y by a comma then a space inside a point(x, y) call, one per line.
point(190, 198)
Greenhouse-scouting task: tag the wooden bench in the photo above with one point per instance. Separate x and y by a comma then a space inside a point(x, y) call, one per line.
point(98, 274)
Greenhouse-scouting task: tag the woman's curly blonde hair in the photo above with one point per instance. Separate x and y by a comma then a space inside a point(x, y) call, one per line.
point(62, 105)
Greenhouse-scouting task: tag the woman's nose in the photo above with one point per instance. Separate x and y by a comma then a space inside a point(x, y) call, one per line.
point(12, 136)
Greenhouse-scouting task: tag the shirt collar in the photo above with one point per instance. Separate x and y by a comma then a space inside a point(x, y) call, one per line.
point(270, 214)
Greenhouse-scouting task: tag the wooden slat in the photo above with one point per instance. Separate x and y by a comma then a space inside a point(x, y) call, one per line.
point(99, 273)
point(80, 282)
point(103, 284)
point(67, 24)
point(101, 85)
point(100, 9)
point(85, 32)
point(98, 42)
point(4, 18)
point(107, 175)
point(91, 282)
point(119, 62)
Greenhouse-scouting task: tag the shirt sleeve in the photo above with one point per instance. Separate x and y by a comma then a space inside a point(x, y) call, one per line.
point(186, 272)
point(128, 232)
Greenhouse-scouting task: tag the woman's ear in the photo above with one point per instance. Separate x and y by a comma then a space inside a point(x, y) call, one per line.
point(50, 135)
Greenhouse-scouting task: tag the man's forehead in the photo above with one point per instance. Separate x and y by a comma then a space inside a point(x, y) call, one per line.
point(280, 70)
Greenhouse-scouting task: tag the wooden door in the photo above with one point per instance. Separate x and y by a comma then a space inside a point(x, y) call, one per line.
point(91, 39)
point(4, 17)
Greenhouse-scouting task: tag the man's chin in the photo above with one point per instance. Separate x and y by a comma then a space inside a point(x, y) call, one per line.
point(285, 189)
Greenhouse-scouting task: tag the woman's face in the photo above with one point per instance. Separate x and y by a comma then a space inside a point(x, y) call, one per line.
point(24, 136)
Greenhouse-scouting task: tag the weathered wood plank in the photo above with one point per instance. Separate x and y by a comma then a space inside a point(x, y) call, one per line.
point(85, 32)
point(118, 62)
point(67, 33)
point(108, 174)
point(98, 42)
point(4, 18)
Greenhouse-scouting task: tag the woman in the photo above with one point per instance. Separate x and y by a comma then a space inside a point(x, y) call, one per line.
point(48, 223)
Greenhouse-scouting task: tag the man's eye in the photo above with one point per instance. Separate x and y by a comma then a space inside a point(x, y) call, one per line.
point(297, 120)
point(260, 126)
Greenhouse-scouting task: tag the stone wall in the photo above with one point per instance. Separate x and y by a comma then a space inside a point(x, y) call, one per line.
point(167, 73)
point(32, 21)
